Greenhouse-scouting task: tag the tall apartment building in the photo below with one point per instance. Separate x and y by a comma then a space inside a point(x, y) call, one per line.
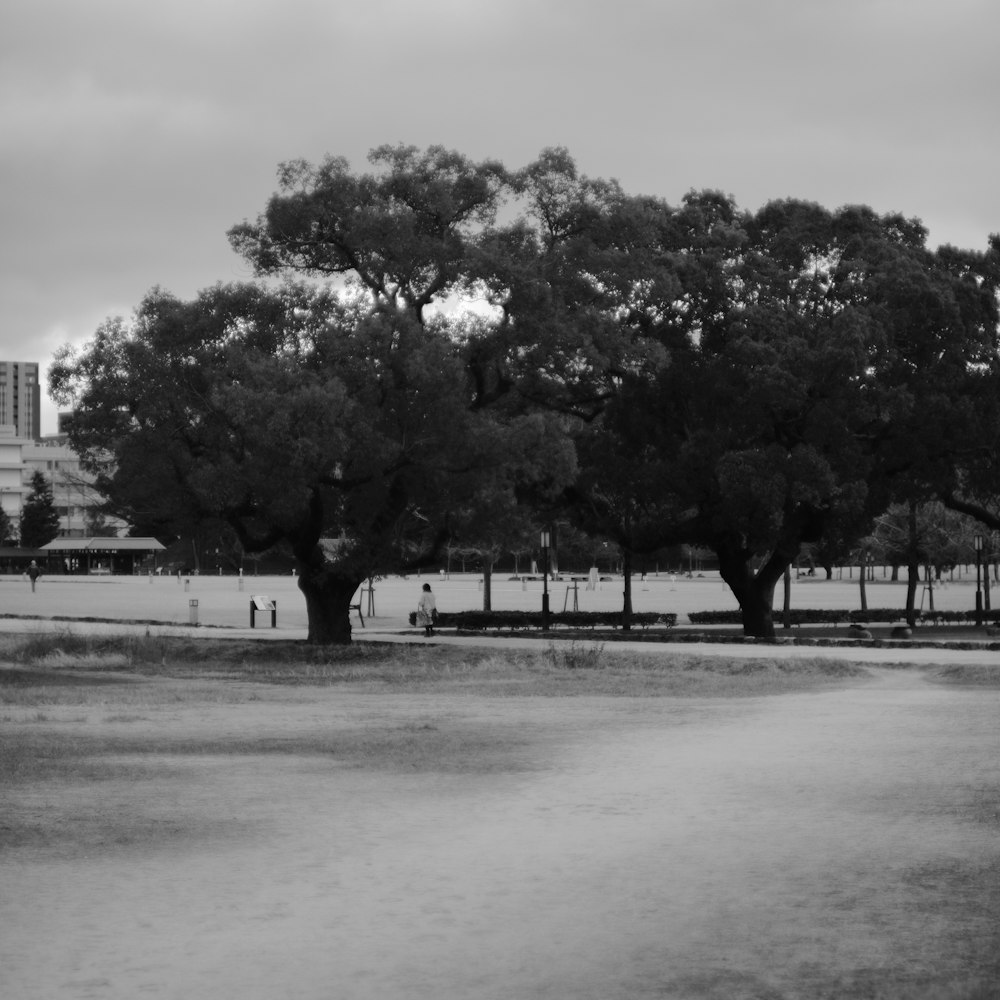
point(21, 398)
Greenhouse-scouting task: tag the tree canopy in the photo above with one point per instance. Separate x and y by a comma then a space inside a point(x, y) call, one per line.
point(294, 416)
point(450, 339)
point(822, 366)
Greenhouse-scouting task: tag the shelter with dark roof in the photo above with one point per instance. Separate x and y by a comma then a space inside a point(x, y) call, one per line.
point(123, 556)
point(14, 560)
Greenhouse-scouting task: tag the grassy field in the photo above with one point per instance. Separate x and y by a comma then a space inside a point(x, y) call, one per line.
point(241, 819)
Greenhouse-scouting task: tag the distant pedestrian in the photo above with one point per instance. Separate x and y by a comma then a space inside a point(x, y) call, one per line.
point(426, 610)
point(33, 574)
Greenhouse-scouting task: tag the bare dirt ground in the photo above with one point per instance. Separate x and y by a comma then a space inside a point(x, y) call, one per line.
point(220, 839)
point(224, 601)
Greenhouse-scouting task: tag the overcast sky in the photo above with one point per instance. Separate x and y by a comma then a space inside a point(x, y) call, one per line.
point(133, 134)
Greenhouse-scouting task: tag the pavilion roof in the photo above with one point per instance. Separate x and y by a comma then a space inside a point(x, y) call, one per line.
point(103, 545)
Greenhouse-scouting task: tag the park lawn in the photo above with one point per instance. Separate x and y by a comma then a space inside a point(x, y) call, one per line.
point(339, 816)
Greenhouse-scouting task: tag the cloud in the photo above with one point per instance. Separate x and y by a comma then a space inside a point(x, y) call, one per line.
point(136, 134)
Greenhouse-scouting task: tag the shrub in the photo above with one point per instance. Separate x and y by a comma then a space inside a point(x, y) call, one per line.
point(511, 620)
point(575, 656)
point(819, 616)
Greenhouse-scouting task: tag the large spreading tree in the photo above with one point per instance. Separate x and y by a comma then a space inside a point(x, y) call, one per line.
point(746, 382)
point(820, 365)
point(294, 418)
point(341, 422)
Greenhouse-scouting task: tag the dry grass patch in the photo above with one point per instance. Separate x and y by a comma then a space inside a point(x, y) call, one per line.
point(74, 669)
point(98, 711)
point(968, 674)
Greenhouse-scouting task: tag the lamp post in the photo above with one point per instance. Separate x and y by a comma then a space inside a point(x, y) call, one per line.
point(545, 540)
point(978, 542)
point(990, 543)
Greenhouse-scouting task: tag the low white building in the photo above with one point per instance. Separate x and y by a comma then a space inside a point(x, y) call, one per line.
point(12, 488)
point(72, 493)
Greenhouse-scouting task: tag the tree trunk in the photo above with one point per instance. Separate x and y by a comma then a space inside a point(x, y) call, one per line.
point(787, 606)
point(912, 569)
point(863, 581)
point(487, 583)
point(912, 579)
point(754, 593)
point(328, 599)
point(627, 595)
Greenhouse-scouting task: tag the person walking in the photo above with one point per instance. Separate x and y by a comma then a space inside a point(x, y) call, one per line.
point(426, 610)
point(33, 574)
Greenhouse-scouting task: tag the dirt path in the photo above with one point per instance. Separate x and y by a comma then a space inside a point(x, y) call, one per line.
point(836, 844)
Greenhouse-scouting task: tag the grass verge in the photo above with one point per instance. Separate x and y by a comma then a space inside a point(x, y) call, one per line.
point(71, 667)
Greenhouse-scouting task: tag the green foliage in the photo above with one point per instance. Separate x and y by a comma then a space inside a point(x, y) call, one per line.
point(747, 382)
point(403, 231)
point(97, 524)
point(808, 348)
point(942, 538)
point(7, 536)
point(39, 517)
point(292, 416)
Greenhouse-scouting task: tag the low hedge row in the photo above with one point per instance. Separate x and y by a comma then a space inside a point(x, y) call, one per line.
point(480, 620)
point(818, 616)
point(959, 616)
point(799, 616)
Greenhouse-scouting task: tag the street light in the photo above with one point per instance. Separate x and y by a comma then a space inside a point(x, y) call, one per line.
point(546, 539)
point(978, 542)
point(987, 556)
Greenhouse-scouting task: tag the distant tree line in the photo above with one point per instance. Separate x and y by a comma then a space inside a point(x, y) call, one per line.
point(457, 353)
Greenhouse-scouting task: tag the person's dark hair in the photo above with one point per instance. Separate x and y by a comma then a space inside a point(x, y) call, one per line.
point(427, 586)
